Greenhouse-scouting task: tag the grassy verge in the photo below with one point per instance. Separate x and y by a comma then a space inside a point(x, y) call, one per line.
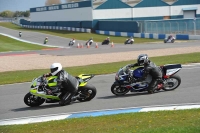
point(77, 35)
point(181, 121)
point(9, 44)
point(23, 76)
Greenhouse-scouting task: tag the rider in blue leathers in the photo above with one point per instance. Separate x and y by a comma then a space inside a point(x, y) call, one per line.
point(150, 68)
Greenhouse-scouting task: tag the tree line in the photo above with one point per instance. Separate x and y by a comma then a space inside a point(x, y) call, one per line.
point(11, 14)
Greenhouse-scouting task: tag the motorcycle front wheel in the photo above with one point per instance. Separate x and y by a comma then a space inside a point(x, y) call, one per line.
point(32, 100)
point(117, 90)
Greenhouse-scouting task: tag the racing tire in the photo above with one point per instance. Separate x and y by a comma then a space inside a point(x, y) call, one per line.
point(118, 91)
point(88, 92)
point(169, 86)
point(32, 100)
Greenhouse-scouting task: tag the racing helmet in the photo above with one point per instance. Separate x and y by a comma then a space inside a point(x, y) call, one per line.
point(142, 59)
point(55, 68)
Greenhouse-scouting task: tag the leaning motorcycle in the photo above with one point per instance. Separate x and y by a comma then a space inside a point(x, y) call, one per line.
point(39, 87)
point(171, 40)
point(106, 42)
point(125, 83)
point(45, 41)
point(90, 41)
point(129, 41)
point(71, 43)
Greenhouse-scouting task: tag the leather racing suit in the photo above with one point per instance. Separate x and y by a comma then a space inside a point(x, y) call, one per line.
point(68, 85)
point(150, 69)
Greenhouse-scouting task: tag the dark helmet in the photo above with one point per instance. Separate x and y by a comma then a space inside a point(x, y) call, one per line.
point(142, 59)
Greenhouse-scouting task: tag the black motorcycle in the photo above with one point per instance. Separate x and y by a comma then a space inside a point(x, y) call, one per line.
point(106, 42)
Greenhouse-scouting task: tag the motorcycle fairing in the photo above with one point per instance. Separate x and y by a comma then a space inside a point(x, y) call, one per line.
point(171, 69)
point(52, 81)
point(84, 78)
point(43, 95)
point(137, 73)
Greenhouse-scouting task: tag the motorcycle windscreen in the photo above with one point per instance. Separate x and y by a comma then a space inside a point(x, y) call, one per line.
point(137, 73)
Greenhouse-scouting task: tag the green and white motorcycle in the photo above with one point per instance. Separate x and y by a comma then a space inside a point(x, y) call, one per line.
point(39, 86)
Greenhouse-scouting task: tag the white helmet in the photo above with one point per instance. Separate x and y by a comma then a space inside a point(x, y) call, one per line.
point(55, 68)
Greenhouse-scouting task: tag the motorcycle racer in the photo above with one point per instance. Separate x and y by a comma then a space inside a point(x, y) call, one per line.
point(169, 37)
point(65, 81)
point(150, 68)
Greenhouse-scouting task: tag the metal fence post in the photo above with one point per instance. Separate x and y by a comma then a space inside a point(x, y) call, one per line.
point(156, 27)
point(169, 27)
point(145, 27)
point(178, 26)
point(194, 27)
point(164, 27)
point(186, 27)
point(138, 25)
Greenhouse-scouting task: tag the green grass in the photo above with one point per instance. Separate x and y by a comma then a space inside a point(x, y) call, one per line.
point(9, 44)
point(181, 121)
point(106, 68)
point(78, 35)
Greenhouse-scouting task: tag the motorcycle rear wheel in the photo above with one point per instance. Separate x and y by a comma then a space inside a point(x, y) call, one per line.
point(172, 83)
point(119, 91)
point(88, 92)
point(32, 100)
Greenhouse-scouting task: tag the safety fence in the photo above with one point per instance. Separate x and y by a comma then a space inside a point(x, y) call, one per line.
point(150, 35)
point(176, 26)
point(55, 28)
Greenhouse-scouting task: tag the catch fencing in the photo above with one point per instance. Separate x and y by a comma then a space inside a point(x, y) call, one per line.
point(176, 26)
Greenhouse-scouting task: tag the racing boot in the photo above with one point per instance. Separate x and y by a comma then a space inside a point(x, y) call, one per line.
point(150, 91)
point(66, 99)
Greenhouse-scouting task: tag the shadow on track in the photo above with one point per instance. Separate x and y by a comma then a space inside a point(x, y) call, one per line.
point(128, 95)
point(46, 106)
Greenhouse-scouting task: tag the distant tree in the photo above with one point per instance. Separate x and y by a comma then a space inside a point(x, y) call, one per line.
point(26, 13)
point(21, 14)
point(7, 13)
point(51, 2)
point(17, 14)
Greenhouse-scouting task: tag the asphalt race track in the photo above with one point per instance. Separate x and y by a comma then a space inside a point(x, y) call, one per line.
point(12, 105)
point(63, 42)
point(11, 96)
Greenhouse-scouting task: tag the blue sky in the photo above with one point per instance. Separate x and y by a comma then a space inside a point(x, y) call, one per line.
point(21, 5)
